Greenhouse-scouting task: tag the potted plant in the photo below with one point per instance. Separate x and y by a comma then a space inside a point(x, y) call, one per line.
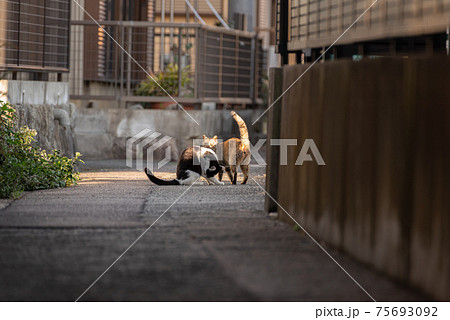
point(166, 82)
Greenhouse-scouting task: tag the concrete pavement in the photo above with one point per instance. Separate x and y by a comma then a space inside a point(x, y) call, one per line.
point(214, 244)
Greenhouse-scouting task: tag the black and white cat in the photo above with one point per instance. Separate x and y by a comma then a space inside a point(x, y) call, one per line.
point(194, 162)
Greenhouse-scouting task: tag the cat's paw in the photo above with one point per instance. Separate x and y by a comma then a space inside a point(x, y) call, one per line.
point(221, 183)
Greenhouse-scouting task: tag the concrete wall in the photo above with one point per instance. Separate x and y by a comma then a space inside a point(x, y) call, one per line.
point(382, 127)
point(19, 92)
point(102, 132)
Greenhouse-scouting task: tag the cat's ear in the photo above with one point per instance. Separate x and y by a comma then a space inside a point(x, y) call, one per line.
point(215, 138)
point(204, 137)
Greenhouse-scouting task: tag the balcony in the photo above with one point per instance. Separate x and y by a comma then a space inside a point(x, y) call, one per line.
point(113, 61)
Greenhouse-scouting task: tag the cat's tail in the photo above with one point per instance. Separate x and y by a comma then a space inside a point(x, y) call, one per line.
point(242, 129)
point(160, 182)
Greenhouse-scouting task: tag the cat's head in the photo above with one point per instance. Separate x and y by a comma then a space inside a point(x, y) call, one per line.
point(210, 143)
point(214, 168)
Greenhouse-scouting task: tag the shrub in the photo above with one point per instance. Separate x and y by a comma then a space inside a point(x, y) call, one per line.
point(23, 165)
point(167, 79)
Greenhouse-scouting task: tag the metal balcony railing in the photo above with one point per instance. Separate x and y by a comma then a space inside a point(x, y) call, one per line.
point(216, 65)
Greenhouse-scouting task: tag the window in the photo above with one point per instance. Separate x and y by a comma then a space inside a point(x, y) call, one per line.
point(34, 35)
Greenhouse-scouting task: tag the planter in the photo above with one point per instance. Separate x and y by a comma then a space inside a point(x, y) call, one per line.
point(166, 105)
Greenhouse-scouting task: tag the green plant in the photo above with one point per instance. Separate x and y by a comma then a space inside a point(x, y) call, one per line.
point(23, 165)
point(167, 80)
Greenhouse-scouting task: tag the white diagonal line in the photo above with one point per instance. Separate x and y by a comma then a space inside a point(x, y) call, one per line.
point(217, 15)
point(312, 64)
point(134, 242)
point(317, 243)
point(195, 12)
point(137, 63)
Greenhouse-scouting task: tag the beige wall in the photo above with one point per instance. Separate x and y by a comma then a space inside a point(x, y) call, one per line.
point(264, 21)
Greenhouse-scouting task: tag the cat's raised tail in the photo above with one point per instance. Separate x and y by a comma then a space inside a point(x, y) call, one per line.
point(242, 129)
point(160, 182)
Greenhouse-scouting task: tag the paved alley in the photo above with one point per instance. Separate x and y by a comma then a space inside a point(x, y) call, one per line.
point(214, 244)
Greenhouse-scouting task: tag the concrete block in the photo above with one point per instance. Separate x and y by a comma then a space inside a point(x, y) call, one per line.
point(57, 93)
point(13, 91)
point(35, 92)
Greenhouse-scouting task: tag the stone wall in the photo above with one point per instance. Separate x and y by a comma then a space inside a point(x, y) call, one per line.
point(43, 106)
point(54, 125)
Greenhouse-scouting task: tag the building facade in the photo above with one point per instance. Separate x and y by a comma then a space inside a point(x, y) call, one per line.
point(138, 39)
point(362, 27)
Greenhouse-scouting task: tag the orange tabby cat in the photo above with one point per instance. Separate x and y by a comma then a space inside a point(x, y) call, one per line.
point(233, 152)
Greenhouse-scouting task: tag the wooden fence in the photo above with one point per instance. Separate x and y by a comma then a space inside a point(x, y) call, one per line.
point(383, 129)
